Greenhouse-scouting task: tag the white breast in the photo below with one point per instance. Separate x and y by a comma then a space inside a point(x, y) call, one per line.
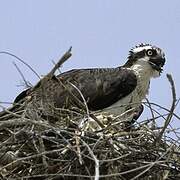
point(143, 72)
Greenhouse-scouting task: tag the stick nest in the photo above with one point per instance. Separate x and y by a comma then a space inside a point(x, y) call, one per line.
point(89, 146)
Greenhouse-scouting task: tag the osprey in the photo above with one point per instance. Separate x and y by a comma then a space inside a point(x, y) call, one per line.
point(113, 90)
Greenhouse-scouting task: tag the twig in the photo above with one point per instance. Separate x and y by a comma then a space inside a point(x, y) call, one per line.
point(79, 103)
point(44, 80)
point(54, 63)
point(152, 164)
point(95, 160)
point(169, 117)
point(28, 85)
point(22, 61)
point(8, 111)
point(42, 149)
point(30, 157)
point(97, 120)
point(64, 58)
point(178, 117)
point(77, 141)
point(84, 101)
point(152, 113)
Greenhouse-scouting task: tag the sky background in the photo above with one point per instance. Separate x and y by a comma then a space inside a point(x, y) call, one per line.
point(101, 32)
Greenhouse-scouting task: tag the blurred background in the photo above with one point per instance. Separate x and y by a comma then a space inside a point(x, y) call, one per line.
point(101, 32)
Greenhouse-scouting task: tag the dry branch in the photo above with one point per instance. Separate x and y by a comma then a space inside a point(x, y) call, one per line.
point(170, 115)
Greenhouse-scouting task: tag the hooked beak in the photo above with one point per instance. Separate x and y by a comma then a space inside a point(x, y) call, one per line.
point(157, 63)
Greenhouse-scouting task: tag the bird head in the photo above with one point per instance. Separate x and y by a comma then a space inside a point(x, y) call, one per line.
point(150, 56)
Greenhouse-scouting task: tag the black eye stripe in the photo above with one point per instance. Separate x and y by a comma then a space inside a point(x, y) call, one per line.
point(144, 53)
point(140, 54)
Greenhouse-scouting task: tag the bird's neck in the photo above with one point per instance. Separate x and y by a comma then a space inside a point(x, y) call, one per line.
point(144, 70)
point(144, 73)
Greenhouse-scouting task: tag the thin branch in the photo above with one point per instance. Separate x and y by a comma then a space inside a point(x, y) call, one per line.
point(95, 160)
point(152, 113)
point(5, 110)
point(54, 63)
point(84, 101)
point(28, 85)
point(171, 109)
point(22, 61)
point(166, 109)
point(64, 58)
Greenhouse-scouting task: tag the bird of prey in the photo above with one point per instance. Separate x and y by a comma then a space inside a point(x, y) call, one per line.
point(113, 90)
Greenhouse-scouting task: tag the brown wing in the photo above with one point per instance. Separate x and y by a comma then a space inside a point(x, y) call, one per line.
point(100, 87)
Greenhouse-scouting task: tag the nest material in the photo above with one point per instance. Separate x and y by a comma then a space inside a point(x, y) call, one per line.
point(86, 145)
point(37, 149)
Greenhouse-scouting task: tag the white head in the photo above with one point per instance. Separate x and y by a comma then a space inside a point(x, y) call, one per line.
point(148, 56)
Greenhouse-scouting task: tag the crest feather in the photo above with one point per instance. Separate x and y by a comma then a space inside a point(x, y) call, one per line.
point(140, 45)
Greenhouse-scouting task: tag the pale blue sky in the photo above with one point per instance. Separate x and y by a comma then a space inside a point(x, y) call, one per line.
point(101, 33)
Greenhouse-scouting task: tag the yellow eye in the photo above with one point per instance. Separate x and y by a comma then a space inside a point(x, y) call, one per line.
point(149, 52)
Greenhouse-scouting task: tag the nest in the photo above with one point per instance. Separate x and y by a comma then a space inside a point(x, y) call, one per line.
point(89, 145)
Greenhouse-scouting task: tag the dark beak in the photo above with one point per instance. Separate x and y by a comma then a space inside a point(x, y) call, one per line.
point(157, 63)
